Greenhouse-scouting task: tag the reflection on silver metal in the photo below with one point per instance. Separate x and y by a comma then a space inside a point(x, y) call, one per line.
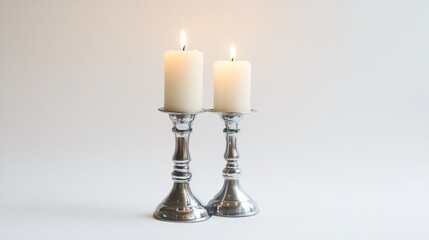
point(181, 205)
point(232, 201)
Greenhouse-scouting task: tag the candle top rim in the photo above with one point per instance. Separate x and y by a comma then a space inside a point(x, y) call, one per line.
point(193, 50)
point(232, 62)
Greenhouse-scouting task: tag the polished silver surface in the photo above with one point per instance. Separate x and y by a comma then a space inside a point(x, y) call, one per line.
point(181, 205)
point(232, 201)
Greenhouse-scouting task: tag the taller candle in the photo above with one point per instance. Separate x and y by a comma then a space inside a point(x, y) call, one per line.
point(232, 85)
point(183, 79)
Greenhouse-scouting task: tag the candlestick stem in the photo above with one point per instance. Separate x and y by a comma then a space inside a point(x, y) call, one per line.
point(181, 205)
point(232, 201)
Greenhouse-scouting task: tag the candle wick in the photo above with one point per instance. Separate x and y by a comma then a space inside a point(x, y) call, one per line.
point(232, 59)
point(184, 46)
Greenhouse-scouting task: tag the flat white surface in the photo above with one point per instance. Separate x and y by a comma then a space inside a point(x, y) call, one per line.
point(337, 150)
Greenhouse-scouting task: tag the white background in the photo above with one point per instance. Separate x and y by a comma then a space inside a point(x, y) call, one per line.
point(337, 150)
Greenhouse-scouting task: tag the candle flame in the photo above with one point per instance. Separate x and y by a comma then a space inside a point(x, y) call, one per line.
point(183, 41)
point(232, 53)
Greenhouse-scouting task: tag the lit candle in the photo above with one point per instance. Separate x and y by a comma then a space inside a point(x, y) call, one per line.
point(232, 85)
point(183, 79)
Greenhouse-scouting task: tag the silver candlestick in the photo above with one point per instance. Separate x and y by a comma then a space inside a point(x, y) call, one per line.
point(181, 205)
point(232, 201)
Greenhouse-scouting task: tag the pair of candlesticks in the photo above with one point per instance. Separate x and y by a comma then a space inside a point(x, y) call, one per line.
point(181, 205)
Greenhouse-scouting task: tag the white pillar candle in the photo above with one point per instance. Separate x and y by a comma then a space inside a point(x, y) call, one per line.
point(232, 85)
point(183, 79)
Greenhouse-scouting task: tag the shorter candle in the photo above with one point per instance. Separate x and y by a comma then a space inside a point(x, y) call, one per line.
point(183, 79)
point(232, 85)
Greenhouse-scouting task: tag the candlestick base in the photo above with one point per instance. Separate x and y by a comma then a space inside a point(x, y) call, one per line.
point(181, 205)
point(232, 201)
